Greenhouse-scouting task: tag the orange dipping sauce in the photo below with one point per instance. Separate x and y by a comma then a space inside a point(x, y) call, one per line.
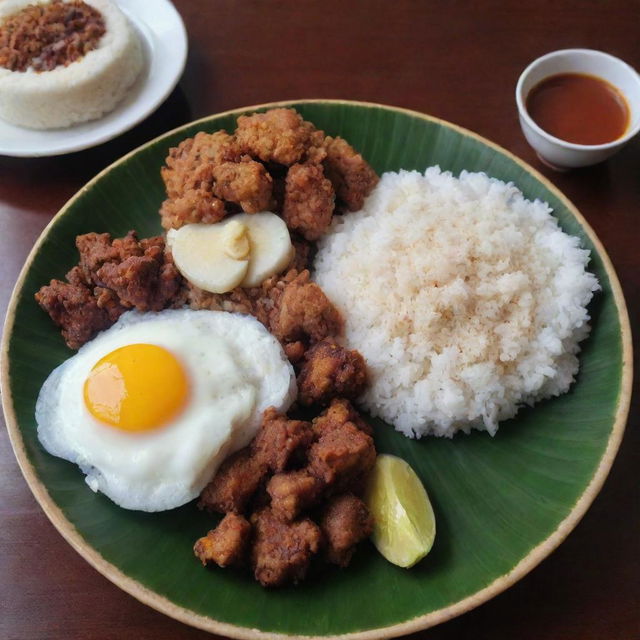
point(579, 108)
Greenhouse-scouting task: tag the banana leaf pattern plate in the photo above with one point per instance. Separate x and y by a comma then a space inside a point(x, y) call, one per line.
point(502, 504)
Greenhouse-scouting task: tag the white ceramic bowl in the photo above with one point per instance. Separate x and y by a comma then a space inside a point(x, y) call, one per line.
point(565, 155)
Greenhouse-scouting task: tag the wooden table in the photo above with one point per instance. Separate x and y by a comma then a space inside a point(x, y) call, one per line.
point(456, 60)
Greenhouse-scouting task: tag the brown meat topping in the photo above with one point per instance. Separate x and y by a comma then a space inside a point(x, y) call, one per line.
point(330, 371)
point(282, 551)
point(308, 201)
point(227, 544)
point(345, 522)
point(49, 35)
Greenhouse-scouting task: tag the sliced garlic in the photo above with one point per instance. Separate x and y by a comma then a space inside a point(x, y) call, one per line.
point(271, 248)
point(200, 254)
point(242, 250)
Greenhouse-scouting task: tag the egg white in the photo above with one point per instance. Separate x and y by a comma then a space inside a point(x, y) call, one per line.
point(236, 369)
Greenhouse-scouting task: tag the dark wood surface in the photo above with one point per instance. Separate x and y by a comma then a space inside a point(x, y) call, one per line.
point(456, 60)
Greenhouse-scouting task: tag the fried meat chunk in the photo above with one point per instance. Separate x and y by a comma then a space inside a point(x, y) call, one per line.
point(138, 271)
point(75, 309)
point(246, 183)
point(338, 413)
point(351, 175)
point(146, 283)
point(281, 441)
point(278, 135)
point(235, 483)
point(292, 492)
point(302, 312)
point(294, 309)
point(227, 544)
point(189, 180)
point(308, 201)
point(345, 522)
point(282, 551)
point(112, 276)
point(330, 371)
point(342, 457)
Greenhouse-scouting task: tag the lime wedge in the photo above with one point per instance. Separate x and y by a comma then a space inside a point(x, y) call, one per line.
point(404, 525)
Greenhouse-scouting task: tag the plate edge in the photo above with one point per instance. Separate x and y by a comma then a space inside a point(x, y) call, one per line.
point(164, 605)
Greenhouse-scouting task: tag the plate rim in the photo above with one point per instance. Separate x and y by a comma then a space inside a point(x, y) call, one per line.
point(164, 605)
point(108, 135)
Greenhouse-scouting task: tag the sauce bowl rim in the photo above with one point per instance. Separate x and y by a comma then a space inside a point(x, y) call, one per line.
point(524, 113)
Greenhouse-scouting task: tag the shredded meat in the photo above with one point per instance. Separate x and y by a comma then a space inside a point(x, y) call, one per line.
point(351, 175)
point(282, 551)
point(345, 522)
point(46, 36)
point(279, 135)
point(233, 486)
point(308, 201)
point(280, 441)
point(330, 371)
point(227, 544)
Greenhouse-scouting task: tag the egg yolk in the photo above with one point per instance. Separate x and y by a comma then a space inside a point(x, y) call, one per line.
point(137, 387)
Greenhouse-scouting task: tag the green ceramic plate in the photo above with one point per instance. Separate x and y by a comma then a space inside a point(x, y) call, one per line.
point(502, 504)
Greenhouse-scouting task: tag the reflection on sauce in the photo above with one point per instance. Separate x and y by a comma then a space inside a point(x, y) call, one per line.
point(579, 108)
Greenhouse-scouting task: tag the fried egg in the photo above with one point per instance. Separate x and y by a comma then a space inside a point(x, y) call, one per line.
point(151, 407)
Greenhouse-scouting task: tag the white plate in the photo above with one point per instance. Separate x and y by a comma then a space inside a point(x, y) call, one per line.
point(164, 40)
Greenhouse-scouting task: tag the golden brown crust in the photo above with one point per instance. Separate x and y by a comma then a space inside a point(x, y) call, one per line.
point(225, 545)
point(342, 457)
point(113, 275)
point(345, 522)
point(308, 201)
point(235, 483)
point(351, 175)
point(189, 179)
point(282, 551)
point(279, 135)
point(303, 312)
point(280, 441)
point(331, 371)
point(293, 492)
point(245, 183)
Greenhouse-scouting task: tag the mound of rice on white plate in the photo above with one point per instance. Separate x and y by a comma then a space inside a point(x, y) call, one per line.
point(83, 90)
point(466, 299)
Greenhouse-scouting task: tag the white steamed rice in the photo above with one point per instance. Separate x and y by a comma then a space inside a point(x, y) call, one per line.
point(82, 91)
point(466, 299)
